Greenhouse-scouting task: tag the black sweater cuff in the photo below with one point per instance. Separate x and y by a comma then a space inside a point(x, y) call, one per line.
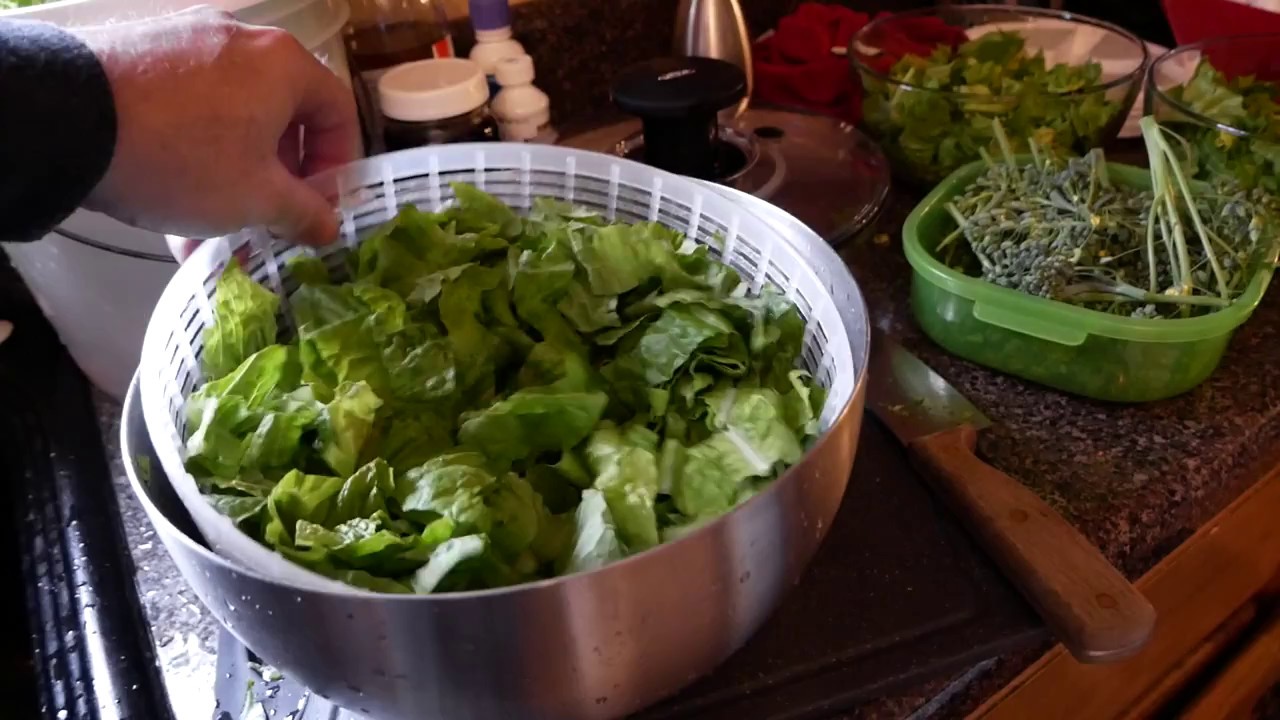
point(57, 127)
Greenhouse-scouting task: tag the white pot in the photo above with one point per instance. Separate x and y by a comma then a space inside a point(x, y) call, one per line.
point(97, 279)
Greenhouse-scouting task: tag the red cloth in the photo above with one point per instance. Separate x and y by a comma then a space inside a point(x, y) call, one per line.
point(795, 66)
point(1195, 20)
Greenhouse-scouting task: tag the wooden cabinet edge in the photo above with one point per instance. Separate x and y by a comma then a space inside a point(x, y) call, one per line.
point(1197, 588)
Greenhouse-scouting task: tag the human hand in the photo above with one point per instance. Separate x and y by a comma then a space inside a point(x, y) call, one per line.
point(208, 113)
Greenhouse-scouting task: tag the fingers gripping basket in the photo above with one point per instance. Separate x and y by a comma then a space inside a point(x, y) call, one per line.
point(776, 250)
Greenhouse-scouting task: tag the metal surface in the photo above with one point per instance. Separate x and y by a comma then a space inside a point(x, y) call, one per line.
point(76, 645)
point(910, 398)
point(592, 645)
point(716, 29)
point(821, 170)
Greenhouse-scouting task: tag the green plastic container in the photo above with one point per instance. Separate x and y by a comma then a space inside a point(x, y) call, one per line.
point(1081, 351)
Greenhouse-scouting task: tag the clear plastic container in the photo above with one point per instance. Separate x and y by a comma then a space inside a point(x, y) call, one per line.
point(1080, 351)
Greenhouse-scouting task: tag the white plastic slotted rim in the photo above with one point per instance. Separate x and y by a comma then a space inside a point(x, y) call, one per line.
point(776, 250)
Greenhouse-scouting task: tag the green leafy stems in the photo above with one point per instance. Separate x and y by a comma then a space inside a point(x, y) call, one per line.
point(1062, 230)
point(493, 399)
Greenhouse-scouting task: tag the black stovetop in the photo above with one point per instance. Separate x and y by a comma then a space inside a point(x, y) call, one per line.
point(897, 594)
point(80, 647)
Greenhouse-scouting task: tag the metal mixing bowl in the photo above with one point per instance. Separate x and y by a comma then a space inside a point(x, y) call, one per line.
point(593, 645)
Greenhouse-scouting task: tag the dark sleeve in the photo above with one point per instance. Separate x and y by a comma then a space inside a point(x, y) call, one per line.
point(57, 127)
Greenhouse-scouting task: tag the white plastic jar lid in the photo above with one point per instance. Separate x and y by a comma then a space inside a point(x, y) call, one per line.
point(429, 90)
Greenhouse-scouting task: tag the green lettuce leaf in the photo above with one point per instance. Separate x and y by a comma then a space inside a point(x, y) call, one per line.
point(532, 421)
point(460, 487)
point(299, 496)
point(409, 436)
point(345, 424)
point(479, 212)
point(625, 464)
point(243, 510)
point(308, 270)
point(244, 322)
point(595, 542)
point(458, 564)
point(588, 312)
point(751, 439)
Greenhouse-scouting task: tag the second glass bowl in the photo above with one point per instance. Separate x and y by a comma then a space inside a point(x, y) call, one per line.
point(1212, 94)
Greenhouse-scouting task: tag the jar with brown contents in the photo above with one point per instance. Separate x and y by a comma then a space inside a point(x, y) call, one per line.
point(383, 34)
point(434, 102)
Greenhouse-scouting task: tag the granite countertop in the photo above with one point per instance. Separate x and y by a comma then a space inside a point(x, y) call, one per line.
point(1136, 480)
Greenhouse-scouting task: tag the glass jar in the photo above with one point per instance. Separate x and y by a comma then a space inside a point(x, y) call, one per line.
point(433, 102)
point(383, 34)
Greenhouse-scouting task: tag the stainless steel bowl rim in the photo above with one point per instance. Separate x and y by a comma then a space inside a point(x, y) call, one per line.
point(1200, 45)
point(771, 214)
point(1138, 72)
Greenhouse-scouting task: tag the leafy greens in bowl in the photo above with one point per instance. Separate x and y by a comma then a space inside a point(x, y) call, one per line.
point(1228, 109)
point(1030, 69)
point(493, 399)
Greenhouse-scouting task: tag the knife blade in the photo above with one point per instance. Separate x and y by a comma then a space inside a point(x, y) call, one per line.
point(1096, 614)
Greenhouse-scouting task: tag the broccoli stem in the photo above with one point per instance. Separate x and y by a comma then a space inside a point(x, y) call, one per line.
point(1163, 193)
point(1189, 201)
point(1002, 140)
point(1099, 291)
point(1152, 281)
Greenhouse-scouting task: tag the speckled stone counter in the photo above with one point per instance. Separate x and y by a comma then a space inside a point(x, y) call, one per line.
point(1137, 480)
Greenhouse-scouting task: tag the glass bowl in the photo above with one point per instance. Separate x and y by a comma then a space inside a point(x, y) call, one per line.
point(1226, 137)
point(929, 124)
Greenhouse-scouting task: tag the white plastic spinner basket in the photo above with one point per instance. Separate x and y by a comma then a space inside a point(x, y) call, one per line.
point(764, 244)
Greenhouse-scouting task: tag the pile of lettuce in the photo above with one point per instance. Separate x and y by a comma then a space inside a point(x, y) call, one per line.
point(1245, 103)
point(494, 399)
point(928, 134)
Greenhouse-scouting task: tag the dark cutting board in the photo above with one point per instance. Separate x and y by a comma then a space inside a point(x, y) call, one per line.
point(896, 593)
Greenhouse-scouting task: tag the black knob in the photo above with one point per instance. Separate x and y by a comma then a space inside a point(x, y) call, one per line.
point(677, 100)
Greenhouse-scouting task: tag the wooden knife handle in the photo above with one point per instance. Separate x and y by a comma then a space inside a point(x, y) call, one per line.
point(1097, 615)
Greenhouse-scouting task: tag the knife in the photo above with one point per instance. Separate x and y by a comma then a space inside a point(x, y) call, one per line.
point(1096, 614)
